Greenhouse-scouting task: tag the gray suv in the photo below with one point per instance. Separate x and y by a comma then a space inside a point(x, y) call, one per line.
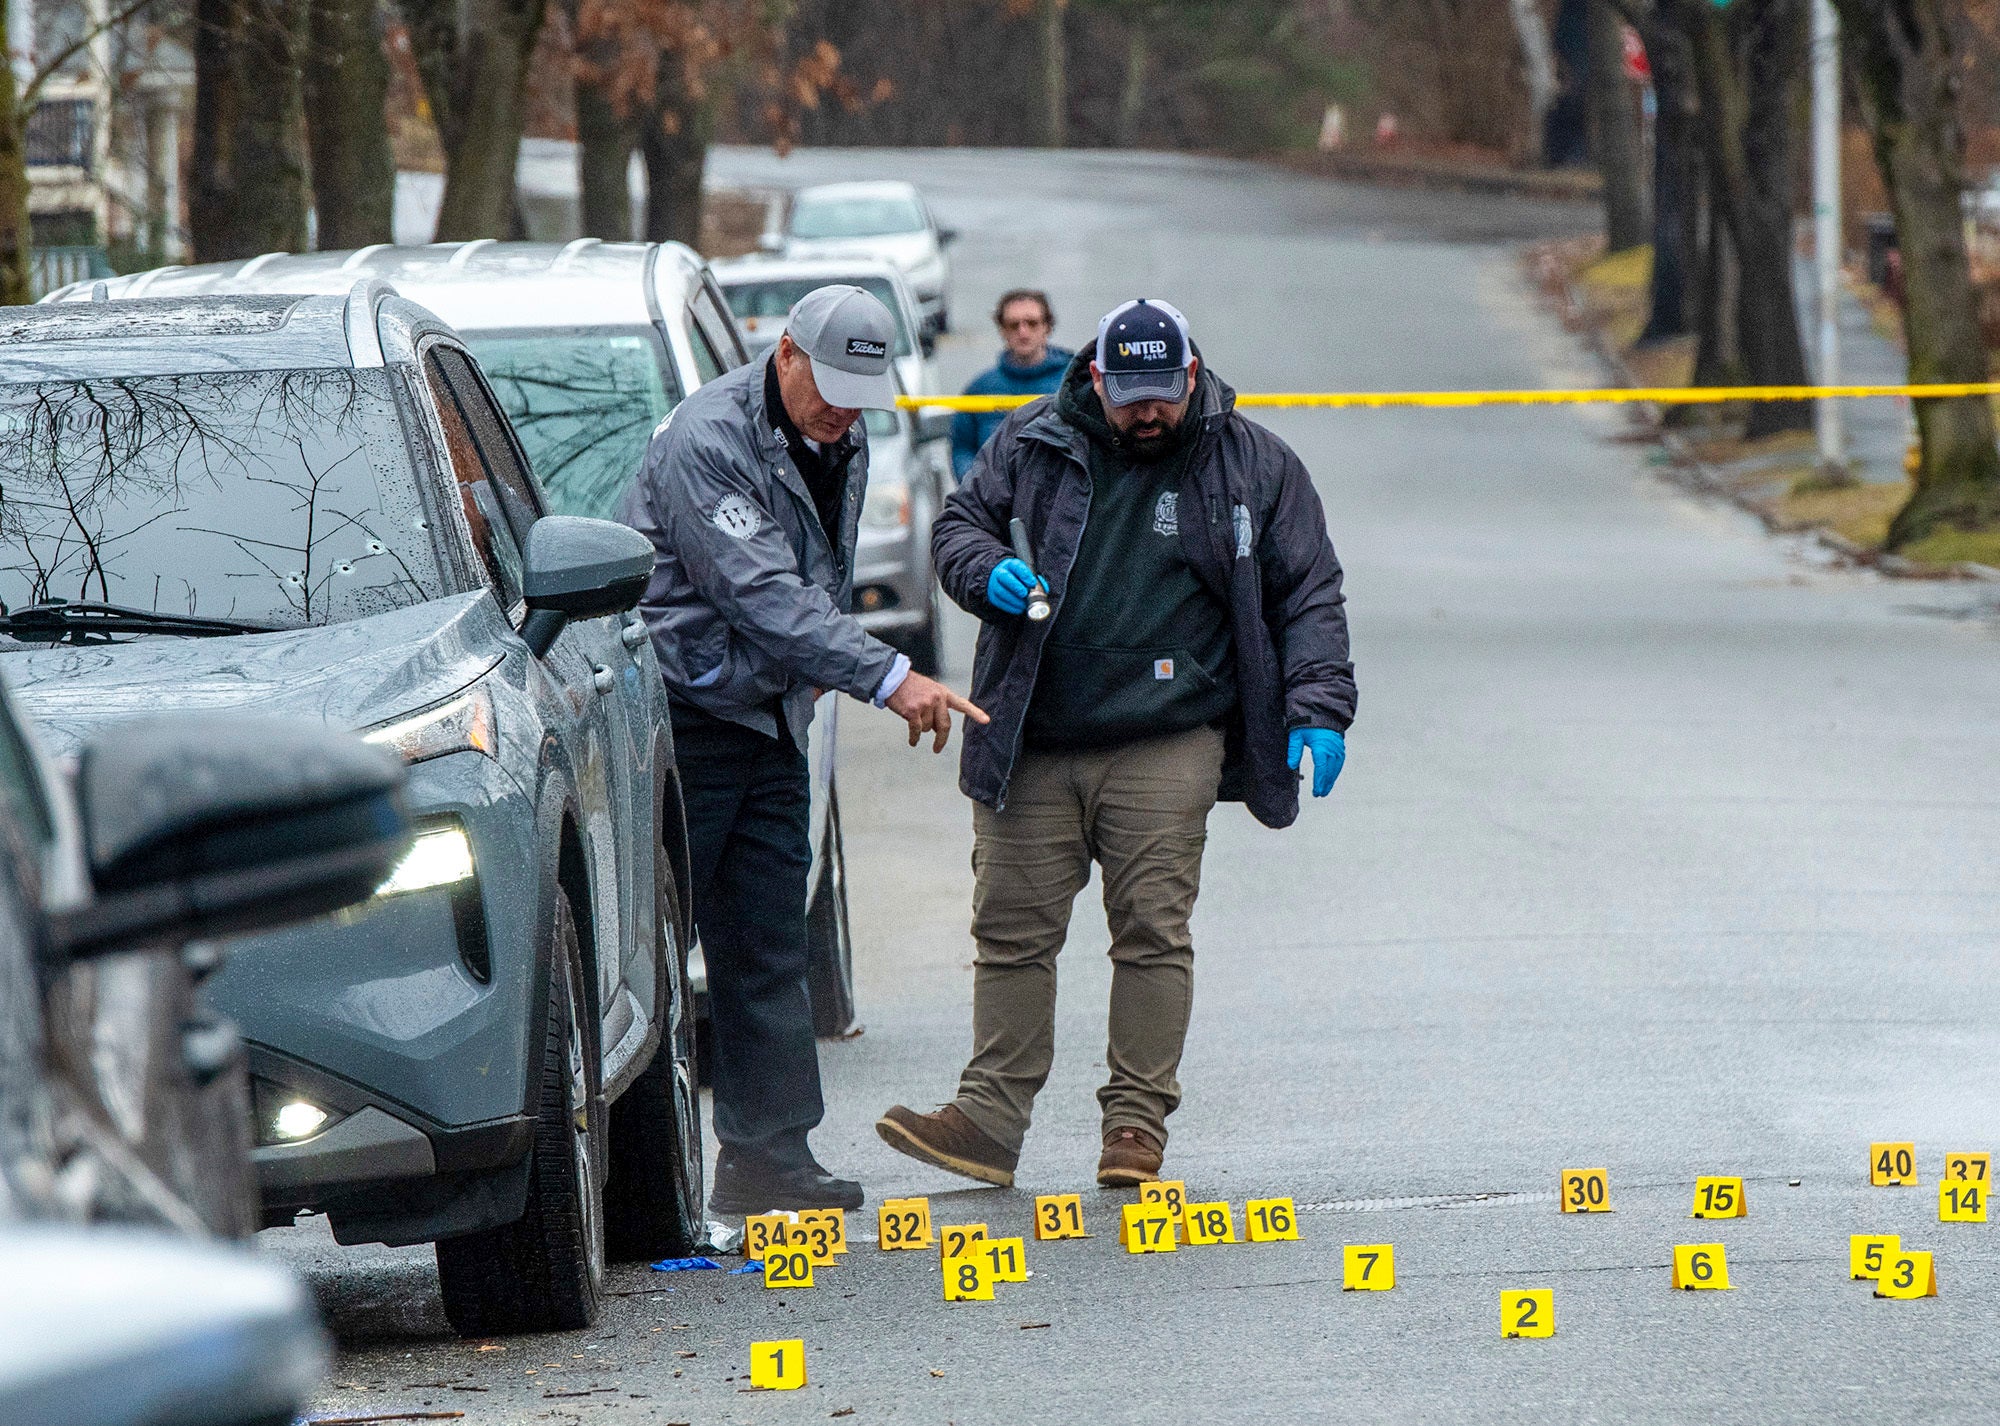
point(588, 345)
point(313, 505)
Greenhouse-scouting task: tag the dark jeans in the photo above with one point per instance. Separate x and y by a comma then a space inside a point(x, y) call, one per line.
point(749, 838)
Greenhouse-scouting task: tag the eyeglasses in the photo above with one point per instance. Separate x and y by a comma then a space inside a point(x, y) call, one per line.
point(1024, 323)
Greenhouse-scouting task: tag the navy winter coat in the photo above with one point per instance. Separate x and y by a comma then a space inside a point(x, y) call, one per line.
point(971, 430)
point(1260, 544)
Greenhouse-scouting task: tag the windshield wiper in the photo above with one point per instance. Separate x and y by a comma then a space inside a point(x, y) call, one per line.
point(58, 621)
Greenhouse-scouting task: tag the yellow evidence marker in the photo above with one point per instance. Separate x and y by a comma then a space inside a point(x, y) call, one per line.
point(1961, 1201)
point(1866, 1252)
point(1719, 1198)
point(1976, 1167)
point(904, 1223)
point(1147, 1228)
point(1170, 1192)
point(1585, 1191)
point(1008, 1257)
point(823, 1233)
point(778, 1366)
point(1367, 1267)
point(767, 1231)
point(1892, 1165)
point(1701, 1266)
point(968, 1279)
point(1528, 1314)
point(955, 1240)
point(1907, 1275)
point(1209, 1223)
point(1271, 1220)
point(1059, 1215)
point(788, 1267)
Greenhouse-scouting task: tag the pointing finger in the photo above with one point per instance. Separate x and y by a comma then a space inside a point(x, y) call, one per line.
point(967, 707)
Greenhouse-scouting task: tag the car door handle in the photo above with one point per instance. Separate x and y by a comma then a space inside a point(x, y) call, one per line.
point(603, 679)
point(633, 634)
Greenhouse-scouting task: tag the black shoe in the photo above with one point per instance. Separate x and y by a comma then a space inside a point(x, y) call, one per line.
point(746, 1185)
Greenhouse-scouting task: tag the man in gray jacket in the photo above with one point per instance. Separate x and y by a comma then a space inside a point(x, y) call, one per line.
point(751, 494)
point(1198, 652)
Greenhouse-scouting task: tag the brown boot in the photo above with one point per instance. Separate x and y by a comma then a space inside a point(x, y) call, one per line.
point(950, 1141)
point(1131, 1157)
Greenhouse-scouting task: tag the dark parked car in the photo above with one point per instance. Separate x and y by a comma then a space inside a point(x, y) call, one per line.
point(193, 825)
point(313, 505)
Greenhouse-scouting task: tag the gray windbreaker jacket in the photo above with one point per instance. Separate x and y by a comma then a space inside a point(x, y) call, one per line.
point(748, 604)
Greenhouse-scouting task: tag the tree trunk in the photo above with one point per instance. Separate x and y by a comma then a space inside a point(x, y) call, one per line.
point(474, 61)
point(674, 143)
point(346, 89)
point(1565, 134)
point(1538, 60)
point(247, 189)
point(604, 144)
point(1132, 99)
point(1055, 75)
point(1718, 353)
point(1906, 72)
point(1677, 181)
point(15, 235)
point(1615, 141)
point(1747, 63)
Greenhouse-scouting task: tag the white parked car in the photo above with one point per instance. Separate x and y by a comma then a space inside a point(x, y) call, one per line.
point(887, 219)
point(761, 292)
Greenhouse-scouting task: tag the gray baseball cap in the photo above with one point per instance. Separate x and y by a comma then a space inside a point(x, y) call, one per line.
point(850, 337)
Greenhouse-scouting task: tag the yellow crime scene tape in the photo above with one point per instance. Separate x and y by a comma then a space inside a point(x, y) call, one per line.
point(1606, 396)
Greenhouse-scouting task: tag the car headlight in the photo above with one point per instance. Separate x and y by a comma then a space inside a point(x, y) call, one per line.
point(887, 506)
point(460, 724)
point(442, 857)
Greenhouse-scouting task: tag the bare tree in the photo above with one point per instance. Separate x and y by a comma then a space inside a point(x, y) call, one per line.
point(14, 231)
point(247, 190)
point(346, 88)
point(1905, 60)
point(473, 56)
point(1615, 141)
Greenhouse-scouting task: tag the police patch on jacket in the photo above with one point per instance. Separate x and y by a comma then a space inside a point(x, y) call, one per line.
point(737, 516)
point(1167, 514)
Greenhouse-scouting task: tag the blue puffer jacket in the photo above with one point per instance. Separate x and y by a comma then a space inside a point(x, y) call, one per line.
point(970, 430)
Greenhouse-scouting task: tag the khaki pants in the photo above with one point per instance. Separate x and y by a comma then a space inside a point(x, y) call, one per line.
point(1140, 811)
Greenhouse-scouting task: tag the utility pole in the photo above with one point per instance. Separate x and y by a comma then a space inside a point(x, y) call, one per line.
point(1827, 235)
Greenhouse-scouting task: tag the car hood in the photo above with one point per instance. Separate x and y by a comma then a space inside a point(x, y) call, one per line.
point(351, 675)
point(905, 250)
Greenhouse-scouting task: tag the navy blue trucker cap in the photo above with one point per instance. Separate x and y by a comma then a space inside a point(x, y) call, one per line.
point(1143, 352)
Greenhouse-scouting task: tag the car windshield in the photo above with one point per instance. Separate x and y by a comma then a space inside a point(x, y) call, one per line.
point(775, 297)
point(584, 403)
point(855, 217)
point(282, 498)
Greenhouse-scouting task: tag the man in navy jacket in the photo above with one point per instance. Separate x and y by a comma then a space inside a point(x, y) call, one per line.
point(1028, 366)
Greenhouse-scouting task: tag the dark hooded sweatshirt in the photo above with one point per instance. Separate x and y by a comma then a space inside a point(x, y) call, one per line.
point(1139, 646)
point(1253, 533)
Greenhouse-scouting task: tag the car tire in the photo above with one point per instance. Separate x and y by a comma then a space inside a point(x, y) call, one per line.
point(926, 657)
point(545, 1271)
point(829, 943)
point(653, 1193)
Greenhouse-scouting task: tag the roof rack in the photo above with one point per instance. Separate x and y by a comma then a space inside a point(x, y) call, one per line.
point(257, 262)
point(361, 255)
point(364, 343)
point(466, 250)
point(571, 250)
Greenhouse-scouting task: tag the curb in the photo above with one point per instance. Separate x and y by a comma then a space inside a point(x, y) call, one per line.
point(1414, 171)
point(1699, 475)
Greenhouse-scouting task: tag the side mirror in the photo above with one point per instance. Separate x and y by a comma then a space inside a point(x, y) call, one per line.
point(933, 424)
point(575, 568)
point(203, 825)
point(151, 1327)
point(947, 236)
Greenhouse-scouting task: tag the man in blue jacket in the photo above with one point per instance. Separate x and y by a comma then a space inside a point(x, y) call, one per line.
point(1198, 652)
point(1028, 366)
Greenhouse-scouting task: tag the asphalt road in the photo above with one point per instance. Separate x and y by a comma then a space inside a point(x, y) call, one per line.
point(1662, 847)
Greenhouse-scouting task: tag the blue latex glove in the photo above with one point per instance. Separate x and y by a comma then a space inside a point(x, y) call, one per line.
point(1007, 587)
point(1329, 752)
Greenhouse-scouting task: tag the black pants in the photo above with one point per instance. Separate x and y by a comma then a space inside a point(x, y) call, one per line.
point(748, 801)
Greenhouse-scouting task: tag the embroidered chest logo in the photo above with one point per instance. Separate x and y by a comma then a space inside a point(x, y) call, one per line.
point(1167, 514)
point(737, 518)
